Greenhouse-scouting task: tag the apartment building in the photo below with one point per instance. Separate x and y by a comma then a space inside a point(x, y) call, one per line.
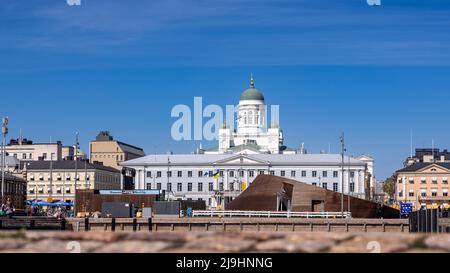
point(111, 152)
point(424, 184)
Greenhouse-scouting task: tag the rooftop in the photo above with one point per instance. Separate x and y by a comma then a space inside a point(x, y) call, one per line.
point(67, 165)
point(273, 159)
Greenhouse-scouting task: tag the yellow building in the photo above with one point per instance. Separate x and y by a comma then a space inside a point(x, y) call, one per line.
point(60, 179)
point(424, 185)
point(111, 152)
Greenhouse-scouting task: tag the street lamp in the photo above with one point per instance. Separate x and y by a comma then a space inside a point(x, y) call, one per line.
point(5, 122)
point(342, 178)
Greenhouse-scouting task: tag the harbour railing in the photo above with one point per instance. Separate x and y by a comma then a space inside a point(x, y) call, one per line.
point(270, 214)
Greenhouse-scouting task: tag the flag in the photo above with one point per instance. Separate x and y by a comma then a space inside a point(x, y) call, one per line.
point(243, 186)
point(217, 175)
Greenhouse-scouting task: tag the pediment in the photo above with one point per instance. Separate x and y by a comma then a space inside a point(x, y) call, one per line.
point(241, 159)
point(434, 169)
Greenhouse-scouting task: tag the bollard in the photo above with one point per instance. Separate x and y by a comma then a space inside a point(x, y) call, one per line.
point(150, 224)
point(32, 224)
point(134, 224)
point(113, 224)
point(63, 224)
point(86, 224)
point(1, 224)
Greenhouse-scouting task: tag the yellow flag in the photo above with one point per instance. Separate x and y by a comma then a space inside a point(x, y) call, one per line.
point(243, 186)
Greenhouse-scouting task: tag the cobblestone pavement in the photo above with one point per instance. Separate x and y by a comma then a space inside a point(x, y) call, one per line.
point(175, 242)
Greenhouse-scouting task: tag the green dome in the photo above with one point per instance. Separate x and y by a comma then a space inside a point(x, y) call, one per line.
point(252, 94)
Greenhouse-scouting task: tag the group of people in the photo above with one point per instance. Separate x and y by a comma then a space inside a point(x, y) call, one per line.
point(56, 212)
point(7, 209)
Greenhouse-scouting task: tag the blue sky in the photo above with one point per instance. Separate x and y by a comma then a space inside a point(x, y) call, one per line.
point(332, 66)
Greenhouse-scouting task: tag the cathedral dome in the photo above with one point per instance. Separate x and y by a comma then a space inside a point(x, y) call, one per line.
point(252, 93)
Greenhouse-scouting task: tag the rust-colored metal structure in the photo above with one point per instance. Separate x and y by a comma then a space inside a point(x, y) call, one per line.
point(91, 200)
point(267, 191)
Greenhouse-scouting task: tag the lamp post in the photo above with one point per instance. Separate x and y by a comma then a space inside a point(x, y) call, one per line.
point(5, 122)
point(342, 178)
point(76, 176)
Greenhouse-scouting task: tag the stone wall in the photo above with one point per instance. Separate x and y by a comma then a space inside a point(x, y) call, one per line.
point(177, 242)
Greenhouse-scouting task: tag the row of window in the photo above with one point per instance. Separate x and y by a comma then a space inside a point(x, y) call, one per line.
point(98, 177)
point(231, 187)
point(425, 181)
point(423, 194)
point(323, 174)
point(58, 178)
point(117, 157)
point(41, 191)
point(251, 119)
point(14, 188)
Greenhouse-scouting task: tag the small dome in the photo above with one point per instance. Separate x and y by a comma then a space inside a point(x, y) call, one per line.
point(252, 93)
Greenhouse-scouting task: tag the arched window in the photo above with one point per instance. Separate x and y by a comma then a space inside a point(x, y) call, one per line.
point(250, 117)
point(245, 118)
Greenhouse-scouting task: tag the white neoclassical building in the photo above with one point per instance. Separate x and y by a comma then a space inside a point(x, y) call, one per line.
point(253, 134)
point(220, 174)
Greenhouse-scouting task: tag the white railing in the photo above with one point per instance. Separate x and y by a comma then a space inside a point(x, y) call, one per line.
point(269, 214)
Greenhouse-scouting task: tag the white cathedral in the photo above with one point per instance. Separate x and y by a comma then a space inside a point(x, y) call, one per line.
point(253, 148)
point(252, 135)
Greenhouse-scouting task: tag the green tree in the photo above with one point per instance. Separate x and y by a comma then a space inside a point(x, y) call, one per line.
point(389, 185)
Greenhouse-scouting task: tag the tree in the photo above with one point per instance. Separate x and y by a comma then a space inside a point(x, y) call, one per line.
point(389, 185)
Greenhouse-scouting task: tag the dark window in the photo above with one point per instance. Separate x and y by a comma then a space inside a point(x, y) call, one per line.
point(189, 186)
point(292, 173)
point(149, 174)
point(352, 187)
point(180, 174)
point(283, 173)
point(325, 185)
point(335, 174)
point(324, 174)
point(149, 186)
point(189, 173)
point(200, 174)
point(303, 173)
point(158, 174)
point(169, 186)
point(314, 174)
point(211, 187)
point(179, 187)
point(169, 173)
point(200, 187)
point(335, 186)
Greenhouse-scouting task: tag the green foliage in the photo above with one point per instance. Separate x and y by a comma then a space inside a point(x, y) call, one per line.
point(389, 185)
